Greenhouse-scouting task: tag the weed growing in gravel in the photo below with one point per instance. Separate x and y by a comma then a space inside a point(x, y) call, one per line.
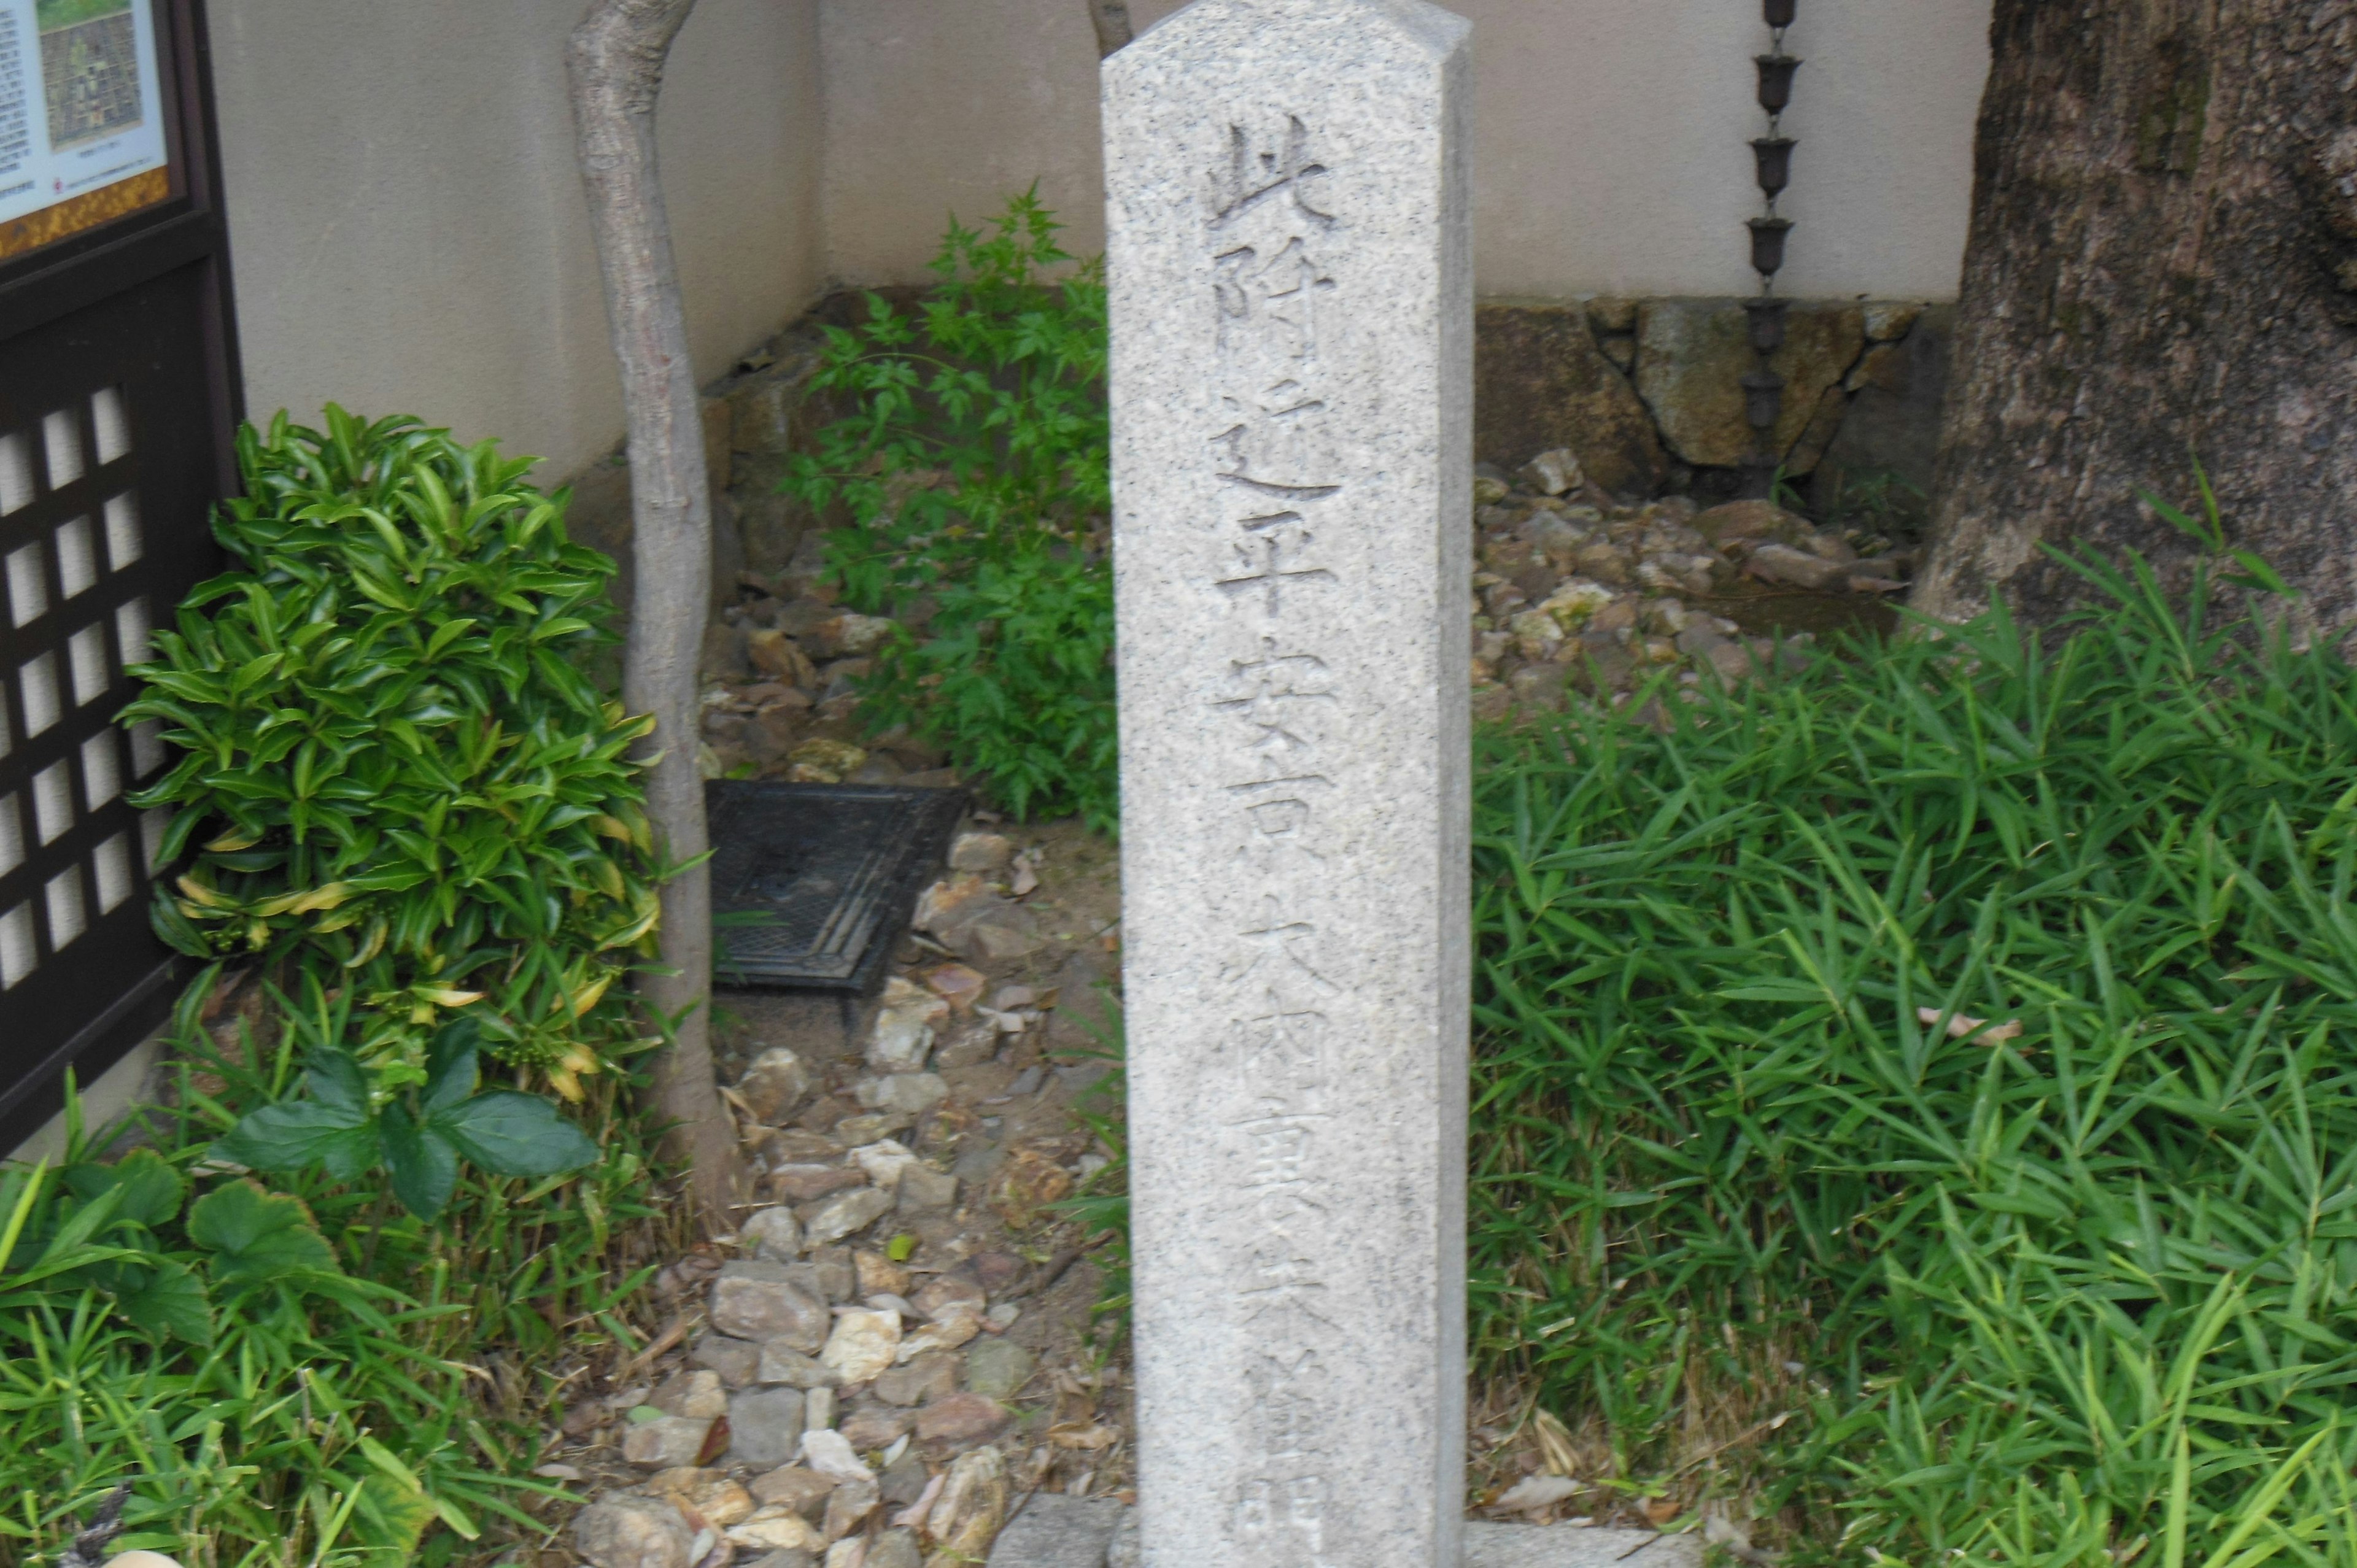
point(1919, 1092)
point(974, 467)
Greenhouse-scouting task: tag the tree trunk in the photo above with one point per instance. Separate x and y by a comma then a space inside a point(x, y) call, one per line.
point(1112, 18)
point(615, 60)
point(2162, 267)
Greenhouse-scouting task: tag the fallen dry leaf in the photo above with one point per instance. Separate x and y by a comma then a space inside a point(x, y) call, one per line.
point(1960, 1026)
point(1072, 1434)
point(1660, 1510)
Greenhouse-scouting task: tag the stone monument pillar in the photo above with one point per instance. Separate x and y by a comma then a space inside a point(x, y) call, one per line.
point(1292, 353)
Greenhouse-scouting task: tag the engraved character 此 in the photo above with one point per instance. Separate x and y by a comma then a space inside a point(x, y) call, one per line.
point(1252, 177)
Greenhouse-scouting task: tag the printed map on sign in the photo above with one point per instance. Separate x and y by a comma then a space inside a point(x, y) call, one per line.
point(82, 118)
point(90, 69)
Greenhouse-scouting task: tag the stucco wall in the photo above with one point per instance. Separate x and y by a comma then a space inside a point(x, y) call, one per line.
point(408, 229)
point(1608, 153)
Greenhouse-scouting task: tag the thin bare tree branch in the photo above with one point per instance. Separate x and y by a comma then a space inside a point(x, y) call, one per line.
point(615, 60)
point(1111, 19)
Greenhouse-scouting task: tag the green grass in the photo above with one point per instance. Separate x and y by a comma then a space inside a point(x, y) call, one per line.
point(48, 15)
point(2083, 1293)
point(381, 1404)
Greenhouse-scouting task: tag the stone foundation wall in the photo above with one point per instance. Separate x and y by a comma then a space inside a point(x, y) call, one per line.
point(1646, 393)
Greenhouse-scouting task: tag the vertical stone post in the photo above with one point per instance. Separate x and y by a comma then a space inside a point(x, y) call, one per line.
point(1292, 348)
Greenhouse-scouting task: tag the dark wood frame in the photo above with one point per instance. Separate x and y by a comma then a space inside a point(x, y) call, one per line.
point(154, 282)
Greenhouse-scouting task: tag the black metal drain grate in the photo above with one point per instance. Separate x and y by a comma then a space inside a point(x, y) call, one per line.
point(812, 884)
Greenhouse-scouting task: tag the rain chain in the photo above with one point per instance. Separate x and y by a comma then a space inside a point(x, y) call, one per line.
point(1763, 389)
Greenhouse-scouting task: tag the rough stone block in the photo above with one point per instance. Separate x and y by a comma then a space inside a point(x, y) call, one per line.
point(1291, 295)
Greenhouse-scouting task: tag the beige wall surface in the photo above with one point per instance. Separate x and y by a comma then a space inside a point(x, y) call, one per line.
point(1608, 153)
point(408, 229)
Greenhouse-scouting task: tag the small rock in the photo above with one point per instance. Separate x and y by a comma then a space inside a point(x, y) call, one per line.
point(665, 1442)
point(1538, 687)
point(1664, 617)
point(774, 1085)
point(981, 852)
point(877, 1273)
point(822, 761)
point(829, 1274)
point(791, 1486)
point(1733, 662)
point(1605, 562)
point(831, 1456)
point(923, 1189)
point(781, 1363)
point(999, 1367)
point(904, 1028)
point(1488, 490)
point(845, 1213)
point(775, 654)
point(776, 1529)
point(1796, 568)
point(806, 1182)
point(870, 1126)
point(1554, 472)
point(1536, 634)
point(923, 1378)
point(953, 1294)
point(1750, 519)
point(711, 1493)
point(765, 1426)
point(793, 1557)
point(1828, 547)
point(997, 934)
point(863, 1344)
point(948, 900)
point(894, 1549)
point(773, 1233)
point(883, 1161)
point(848, 1506)
point(848, 634)
point(632, 1532)
point(909, 1093)
point(875, 1426)
point(956, 985)
point(737, 1360)
point(850, 1553)
point(818, 1410)
point(966, 1517)
point(958, 1420)
point(760, 1301)
point(946, 1333)
point(696, 1394)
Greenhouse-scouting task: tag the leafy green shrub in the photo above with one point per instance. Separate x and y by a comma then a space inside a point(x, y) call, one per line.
point(1946, 1051)
point(974, 468)
point(396, 773)
point(300, 1377)
point(417, 1136)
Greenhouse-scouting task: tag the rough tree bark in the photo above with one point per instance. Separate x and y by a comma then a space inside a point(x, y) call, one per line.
point(1111, 19)
point(2162, 266)
point(615, 60)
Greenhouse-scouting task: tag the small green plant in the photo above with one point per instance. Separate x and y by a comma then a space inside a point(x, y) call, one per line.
point(415, 1135)
point(304, 1378)
point(972, 464)
point(395, 775)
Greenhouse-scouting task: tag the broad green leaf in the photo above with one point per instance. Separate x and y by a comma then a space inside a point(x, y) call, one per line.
point(257, 1237)
point(420, 1161)
point(510, 1134)
point(172, 1301)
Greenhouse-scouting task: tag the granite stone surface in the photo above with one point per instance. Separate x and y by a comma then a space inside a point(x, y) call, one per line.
point(1289, 270)
point(1089, 1532)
